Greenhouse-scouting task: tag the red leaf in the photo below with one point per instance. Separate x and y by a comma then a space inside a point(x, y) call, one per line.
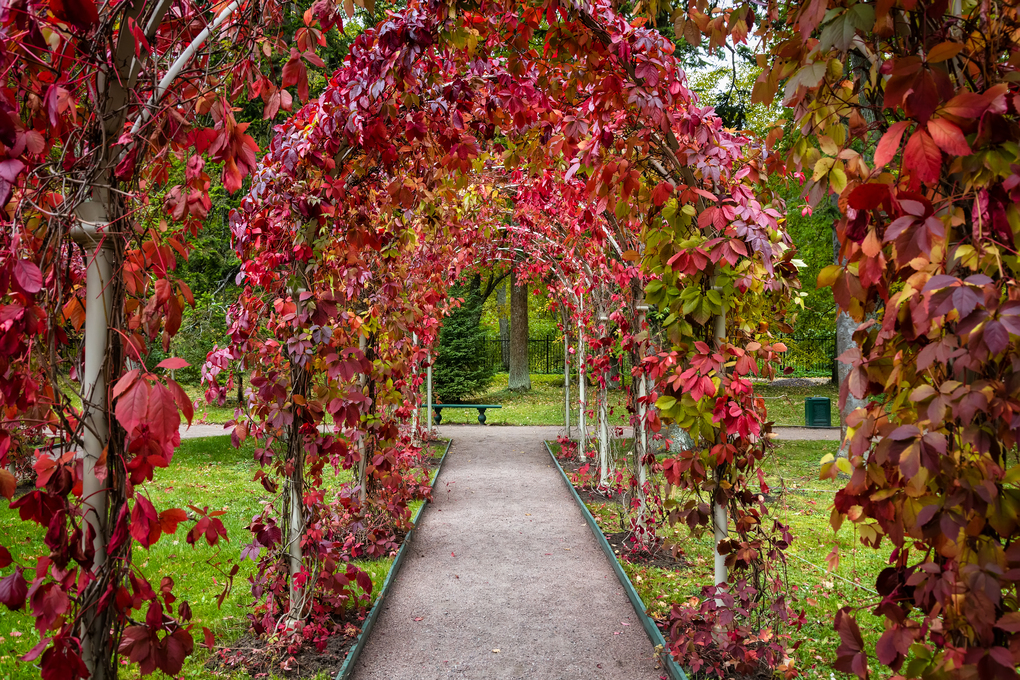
point(182, 399)
point(231, 176)
point(868, 196)
point(145, 524)
point(139, 35)
point(62, 661)
point(996, 337)
point(173, 363)
point(5, 557)
point(9, 133)
point(889, 144)
point(133, 405)
point(13, 590)
point(661, 193)
point(169, 519)
point(81, 14)
point(858, 382)
point(364, 581)
point(966, 105)
point(28, 277)
point(296, 73)
point(7, 484)
point(923, 157)
point(1009, 622)
point(948, 137)
point(52, 101)
point(176, 648)
point(9, 171)
point(49, 602)
point(126, 381)
point(162, 415)
point(210, 639)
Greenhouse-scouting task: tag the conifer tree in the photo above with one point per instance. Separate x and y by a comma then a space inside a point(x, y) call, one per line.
point(461, 369)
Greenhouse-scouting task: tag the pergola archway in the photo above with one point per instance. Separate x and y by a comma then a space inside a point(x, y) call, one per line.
point(372, 199)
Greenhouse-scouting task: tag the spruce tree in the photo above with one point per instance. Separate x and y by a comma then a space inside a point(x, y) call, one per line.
point(460, 369)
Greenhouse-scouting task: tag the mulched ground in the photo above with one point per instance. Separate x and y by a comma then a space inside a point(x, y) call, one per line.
point(251, 654)
point(572, 467)
point(660, 557)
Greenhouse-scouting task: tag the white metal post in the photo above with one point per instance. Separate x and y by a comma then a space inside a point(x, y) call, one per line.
point(362, 444)
point(604, 457)
point(566, 381)
point(641, 436)
point(720, 521)
point(583, 443)
point(95, 406)
point(98, 309)
point(417, 401)
point(428, 412)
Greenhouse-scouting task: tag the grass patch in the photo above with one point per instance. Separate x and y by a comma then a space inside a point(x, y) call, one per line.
point(205, 471)
point(543, 403)
point(785, 405)
point(803, 502)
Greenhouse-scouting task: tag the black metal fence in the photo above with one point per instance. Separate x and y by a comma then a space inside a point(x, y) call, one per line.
point(810, 356)
point(545, 355)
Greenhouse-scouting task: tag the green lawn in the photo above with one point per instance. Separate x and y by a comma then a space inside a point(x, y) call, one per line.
point(805, 506)
point(785, 405)
point(206, 471)
point(543, 404)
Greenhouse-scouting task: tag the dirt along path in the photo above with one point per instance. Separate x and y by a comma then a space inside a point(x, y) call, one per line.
point(504, 579)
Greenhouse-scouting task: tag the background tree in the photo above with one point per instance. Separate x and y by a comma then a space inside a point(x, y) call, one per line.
point(520, 373)
point(461, 369)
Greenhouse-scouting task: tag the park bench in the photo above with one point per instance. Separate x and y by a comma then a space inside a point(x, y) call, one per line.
point(438, 408)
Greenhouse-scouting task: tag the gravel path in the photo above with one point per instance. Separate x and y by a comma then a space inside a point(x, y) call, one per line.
point(504, 579)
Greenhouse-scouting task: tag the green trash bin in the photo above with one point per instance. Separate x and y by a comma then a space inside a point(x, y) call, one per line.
point(818, 412)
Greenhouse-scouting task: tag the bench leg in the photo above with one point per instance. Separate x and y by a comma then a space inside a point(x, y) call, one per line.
point(481, 416)
point(439, 416)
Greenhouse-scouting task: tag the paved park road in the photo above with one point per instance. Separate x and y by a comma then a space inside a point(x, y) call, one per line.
point(504, 579)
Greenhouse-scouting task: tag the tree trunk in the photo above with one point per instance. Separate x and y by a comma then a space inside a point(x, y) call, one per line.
point(845, 327)
point(520, 377)
point(504, 327)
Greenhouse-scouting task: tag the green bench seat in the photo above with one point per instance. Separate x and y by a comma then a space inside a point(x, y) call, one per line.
point(438, 408)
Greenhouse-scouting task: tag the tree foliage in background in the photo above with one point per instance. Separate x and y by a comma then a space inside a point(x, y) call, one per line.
point(460, 369)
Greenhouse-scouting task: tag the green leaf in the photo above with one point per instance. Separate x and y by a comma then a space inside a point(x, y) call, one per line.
point(665, 402)
point(844, 466)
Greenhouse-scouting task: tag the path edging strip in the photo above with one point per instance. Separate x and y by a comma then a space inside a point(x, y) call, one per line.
point(652, 630)
point(352, 656)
